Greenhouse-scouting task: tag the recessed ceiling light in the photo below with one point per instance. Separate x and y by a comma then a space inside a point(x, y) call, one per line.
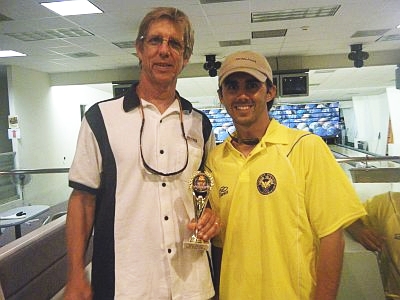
point(10, 53)
point(72, 7)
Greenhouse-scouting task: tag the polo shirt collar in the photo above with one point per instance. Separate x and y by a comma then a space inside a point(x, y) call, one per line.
point(273, 135)
point(132, 101)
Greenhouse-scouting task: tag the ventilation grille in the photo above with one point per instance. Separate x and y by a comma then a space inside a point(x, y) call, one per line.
point(324, 71)
point(388, 38)
point(234, 43)
point(4, 18)
point(366, 33)
point(125, 44)
point(216, 1)
point(82, 54)
point(50, 34)
point(292, 14)
point(268, 33)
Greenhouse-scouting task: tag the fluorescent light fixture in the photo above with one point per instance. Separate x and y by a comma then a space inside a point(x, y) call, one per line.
point(72, 7)
point(10, 53)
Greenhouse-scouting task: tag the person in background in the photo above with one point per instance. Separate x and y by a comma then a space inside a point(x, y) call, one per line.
point(379, 231)
point(282, 198)
point(135, 156)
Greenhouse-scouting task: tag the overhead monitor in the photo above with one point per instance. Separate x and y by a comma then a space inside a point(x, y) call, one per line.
point(293, 85)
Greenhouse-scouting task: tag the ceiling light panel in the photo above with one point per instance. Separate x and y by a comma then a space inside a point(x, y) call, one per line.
point(51, 34)
point(10, 53)
point(292, 14)
point(72, 7)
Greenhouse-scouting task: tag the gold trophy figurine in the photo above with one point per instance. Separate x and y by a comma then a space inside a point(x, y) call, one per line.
point(200, 185)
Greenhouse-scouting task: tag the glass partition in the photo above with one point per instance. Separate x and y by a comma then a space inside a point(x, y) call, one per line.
point(30, 198)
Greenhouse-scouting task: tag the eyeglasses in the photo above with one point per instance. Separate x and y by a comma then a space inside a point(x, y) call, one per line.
point(146, 165)
point(158, 40)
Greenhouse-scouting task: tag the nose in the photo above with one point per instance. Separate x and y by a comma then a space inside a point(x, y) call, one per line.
point(242, 92)
point(164, 40)
point(164, 46)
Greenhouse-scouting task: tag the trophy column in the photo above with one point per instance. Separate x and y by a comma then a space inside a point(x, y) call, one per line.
point(200, 185)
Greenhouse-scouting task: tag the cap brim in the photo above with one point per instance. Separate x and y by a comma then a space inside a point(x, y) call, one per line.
point(255, 73)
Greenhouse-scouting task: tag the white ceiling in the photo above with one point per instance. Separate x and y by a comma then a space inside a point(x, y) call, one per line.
point(319, 44)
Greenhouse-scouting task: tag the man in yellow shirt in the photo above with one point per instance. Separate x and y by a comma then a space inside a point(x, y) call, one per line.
point(380, 231)
point(282, 198)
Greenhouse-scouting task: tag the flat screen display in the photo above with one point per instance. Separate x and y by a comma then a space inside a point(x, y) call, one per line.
point(292, 85)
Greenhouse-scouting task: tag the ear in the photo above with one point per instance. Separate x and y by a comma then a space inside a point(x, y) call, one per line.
point(219, 91)
point(139, 52)
point(221, 98)
point(185, 62)
point(271, 93)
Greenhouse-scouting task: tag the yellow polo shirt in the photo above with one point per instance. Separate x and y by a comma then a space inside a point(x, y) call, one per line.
point(275, 205)
point(384, 217)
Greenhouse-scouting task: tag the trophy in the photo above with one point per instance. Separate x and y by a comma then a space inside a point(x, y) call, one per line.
point(200, 185)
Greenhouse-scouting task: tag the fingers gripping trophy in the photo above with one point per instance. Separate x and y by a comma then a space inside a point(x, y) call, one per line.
point(200, 185)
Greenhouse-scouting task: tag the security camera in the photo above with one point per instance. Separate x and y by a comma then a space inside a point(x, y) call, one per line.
point(357, 55)
point(358, 63)
point(211, 65)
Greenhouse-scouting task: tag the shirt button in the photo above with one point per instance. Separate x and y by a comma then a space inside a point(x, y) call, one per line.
point(169, 250)
point(166, 218)
point(164, 184)
point(162, 151)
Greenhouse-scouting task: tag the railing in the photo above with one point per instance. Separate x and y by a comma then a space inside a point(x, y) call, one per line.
point(369, 158)
point(46, 186)
point(35, 171)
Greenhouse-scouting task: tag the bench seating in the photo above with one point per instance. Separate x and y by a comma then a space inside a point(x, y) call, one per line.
point(35, 265)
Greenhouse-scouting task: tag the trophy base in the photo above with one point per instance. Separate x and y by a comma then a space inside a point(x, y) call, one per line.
point(196, 245)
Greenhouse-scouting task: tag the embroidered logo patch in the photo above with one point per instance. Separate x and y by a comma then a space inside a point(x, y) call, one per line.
point(223, 190)
point(266, 183)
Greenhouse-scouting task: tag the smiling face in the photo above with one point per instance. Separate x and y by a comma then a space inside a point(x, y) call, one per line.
point(161, 62)
point(245, 99)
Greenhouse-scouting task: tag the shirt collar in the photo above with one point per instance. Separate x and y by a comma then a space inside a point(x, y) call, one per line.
point(131, 100)
point(276, 134)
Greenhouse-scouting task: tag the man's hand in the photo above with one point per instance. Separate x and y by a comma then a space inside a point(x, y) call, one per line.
point(366, 236)
point(78, 289)
point(208, 225)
